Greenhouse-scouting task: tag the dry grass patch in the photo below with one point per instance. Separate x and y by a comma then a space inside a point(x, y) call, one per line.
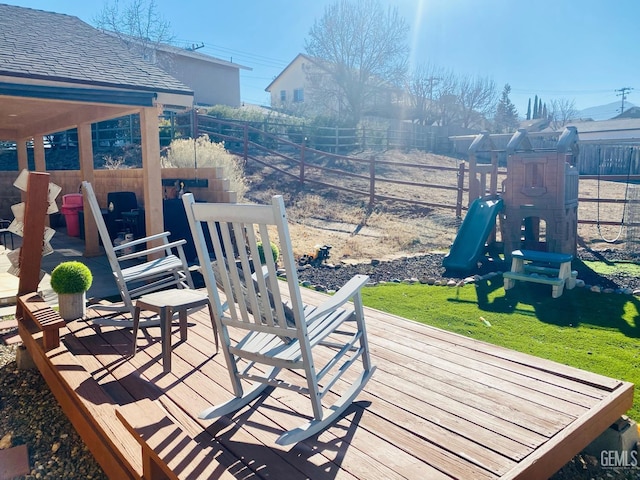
point(321, 215)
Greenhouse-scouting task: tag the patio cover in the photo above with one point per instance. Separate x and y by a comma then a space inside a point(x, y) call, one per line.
point(57, 72)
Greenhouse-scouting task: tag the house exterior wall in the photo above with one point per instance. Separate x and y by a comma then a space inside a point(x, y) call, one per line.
point(212, 84)
point(293, 78)
point(322, 96)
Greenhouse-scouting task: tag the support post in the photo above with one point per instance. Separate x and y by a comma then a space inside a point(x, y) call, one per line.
point(34, 221)
point(85, 150)
point(460, 195)
point(302, 148)
point(245, 136)
point(151, 173)
point(372, 181)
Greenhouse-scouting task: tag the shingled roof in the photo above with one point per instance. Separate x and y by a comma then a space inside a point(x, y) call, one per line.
point(51, 46)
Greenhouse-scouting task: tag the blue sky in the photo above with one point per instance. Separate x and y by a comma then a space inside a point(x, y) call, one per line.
point(581, 50)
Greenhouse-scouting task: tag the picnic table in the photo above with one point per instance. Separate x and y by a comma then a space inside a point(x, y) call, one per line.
point(541, 267)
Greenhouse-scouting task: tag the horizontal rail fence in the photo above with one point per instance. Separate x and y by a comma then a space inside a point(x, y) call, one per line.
point(336, 139)
point(308, 165)
point(632, 203)
point(399, 135)
point(359, 176)
point(124, 131)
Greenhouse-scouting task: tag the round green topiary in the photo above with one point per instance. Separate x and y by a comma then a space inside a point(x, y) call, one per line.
point(71, 277)
point(275, 252)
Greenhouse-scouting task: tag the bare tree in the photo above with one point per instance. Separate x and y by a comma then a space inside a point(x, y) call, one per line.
point(363, 48)
point(138, 24)
point(562, 111)
point(423, 87)
point(445, 101)
point(476, 99)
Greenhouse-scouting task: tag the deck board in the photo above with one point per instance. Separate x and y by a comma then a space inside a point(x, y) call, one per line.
point(440, 405)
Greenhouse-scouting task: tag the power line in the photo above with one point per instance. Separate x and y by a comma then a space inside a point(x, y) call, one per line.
point(623, 93)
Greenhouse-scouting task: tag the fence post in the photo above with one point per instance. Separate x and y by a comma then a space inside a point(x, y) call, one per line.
point(461, 170)
point(364, 138)
point(302, 163)
point(372, 181)
point(245, 129)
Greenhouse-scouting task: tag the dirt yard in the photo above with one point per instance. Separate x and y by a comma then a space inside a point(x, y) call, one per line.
point(320, 215)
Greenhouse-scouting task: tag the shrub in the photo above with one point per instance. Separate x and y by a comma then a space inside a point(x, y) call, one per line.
point(275, 252)
point(185, 153)
point(71, 277)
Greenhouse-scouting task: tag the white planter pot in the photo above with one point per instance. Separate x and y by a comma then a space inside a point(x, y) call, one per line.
point(72, 305)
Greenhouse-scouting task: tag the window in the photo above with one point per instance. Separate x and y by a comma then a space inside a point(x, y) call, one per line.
point(298, 95)
point(283, 96)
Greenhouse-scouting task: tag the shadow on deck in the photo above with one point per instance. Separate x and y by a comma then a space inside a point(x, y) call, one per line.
point(439, 406)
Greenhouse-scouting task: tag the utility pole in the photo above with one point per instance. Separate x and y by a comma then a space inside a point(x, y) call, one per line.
point(623, 93)
point(432, 83)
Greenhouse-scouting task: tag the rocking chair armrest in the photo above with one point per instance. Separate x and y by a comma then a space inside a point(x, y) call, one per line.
point(342, 296)
point(265, 273)
point(159, 248)
point(138, 241)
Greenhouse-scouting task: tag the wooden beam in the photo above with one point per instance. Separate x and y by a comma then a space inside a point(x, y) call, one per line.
point(85, 149)
point(23, 161)
point(69, 116)
point(38, 154)
point(34, 221)
point(152, 177)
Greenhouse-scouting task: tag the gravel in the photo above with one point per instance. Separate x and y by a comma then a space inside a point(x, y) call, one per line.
point(331, 277)
point(29, 414)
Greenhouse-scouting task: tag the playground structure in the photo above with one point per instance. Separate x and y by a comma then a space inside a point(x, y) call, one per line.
point(538, 207)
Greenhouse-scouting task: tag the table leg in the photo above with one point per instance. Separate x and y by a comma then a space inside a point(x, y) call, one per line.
point(183, 323)
point(136, 323)
point(165, 333)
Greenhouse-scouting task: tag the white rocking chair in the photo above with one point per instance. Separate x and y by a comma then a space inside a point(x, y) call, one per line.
point(275, 336)
point(144, 276)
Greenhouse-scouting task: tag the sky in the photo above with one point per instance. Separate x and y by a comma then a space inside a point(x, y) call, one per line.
point(583, 51)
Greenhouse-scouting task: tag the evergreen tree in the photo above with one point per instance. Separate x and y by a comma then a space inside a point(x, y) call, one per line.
point(535, 107)
point(545, 115)
point(506, 118)
point(540, 108)
point(529, 109)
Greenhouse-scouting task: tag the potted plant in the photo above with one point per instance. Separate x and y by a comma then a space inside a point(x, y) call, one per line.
point(71, 280)
point(275, 252)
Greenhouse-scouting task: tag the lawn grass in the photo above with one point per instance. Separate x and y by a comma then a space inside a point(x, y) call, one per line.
point(592, 331)
point(606, 268)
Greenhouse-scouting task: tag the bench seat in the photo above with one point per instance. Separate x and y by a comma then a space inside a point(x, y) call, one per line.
point(33, 307)
point(533, 278)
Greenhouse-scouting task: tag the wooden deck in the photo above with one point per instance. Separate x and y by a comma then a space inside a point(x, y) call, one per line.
point(439, 406)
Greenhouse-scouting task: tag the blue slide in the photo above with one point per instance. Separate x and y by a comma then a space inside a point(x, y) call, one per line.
point(469, 244)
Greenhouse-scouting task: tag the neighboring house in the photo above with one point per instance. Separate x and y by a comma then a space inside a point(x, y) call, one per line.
point(617, 131)
point(305, 86)
point(59, 73)
point(631, 112)
point(292, 88)
point(213, 81)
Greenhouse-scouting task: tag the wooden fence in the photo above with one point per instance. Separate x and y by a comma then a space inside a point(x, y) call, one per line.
point(607, 159)
point(308, 165)
point(210, 185)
